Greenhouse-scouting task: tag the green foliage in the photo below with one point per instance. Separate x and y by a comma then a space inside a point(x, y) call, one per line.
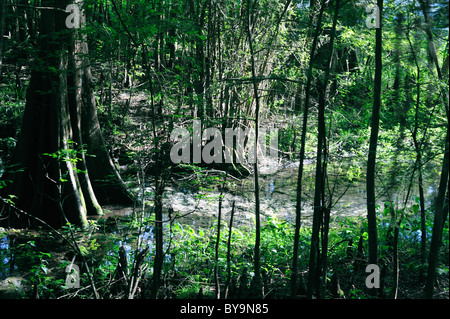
point(71, 154)
point(159, 64)
point(190, 254)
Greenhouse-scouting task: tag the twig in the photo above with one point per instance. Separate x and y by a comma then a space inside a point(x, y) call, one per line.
point(123, 24)
point(37, 219)
point(73, 244)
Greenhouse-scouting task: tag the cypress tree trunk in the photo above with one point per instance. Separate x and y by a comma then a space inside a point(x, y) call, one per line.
point(109, 186)
point(53, 180)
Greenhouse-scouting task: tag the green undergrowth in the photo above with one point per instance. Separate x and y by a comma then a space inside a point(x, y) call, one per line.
point(41, 258)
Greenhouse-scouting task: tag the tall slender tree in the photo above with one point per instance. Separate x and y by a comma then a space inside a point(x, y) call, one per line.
point(2, 26)
point(441, 210)
point(440, 205)
point(257, 265)
point(418, 149)
point(321, 216)
point(374, 130)
point(298, 206)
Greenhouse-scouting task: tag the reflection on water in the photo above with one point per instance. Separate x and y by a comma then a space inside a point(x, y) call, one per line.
point(278, 196)
point(4, 245)
point(6, 267)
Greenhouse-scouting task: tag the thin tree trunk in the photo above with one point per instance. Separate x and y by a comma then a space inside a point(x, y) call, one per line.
point(227, 284)
point(159, 253)
point(302, 156)
point(371, 161)
point(425, 6)
point(440, 207)
point(431, 47)
point(199, 80)
point(317, 263)
point(219, 225)
point(257, 268)
point(438, 225)
point(2, 28)
point(396, 265)
point(159, 191)
point(322, 100)
point(79, 94)
point(418, 149)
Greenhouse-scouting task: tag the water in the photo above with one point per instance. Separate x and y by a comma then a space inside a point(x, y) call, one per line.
point(5, 258)
point(278, 196)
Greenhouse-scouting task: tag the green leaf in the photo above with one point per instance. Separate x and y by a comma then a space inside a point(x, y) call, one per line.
point(84, 251)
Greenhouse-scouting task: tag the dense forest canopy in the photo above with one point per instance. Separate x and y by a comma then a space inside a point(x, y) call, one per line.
point(109, 106)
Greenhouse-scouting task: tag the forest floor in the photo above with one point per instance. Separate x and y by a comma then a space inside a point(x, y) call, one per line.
point(38, 258)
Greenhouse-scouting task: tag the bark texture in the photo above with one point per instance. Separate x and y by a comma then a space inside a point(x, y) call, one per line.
point(61, 161)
